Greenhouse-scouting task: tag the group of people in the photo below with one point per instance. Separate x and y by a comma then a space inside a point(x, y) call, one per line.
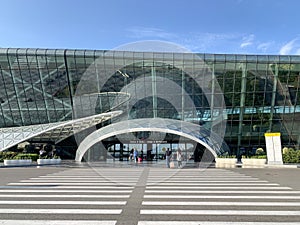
point(134, 155)
point(47, 151)
point(179, 157)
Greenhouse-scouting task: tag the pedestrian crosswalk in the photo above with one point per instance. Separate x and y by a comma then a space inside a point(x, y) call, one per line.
point(216, 196)
point(148, 196)
point(74, 196)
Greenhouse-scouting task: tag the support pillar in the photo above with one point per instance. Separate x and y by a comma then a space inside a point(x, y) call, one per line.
point(242, 107)
point(154, 92)
point(273, 98)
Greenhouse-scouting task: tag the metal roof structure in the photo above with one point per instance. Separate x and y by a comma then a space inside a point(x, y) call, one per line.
point(54, 132)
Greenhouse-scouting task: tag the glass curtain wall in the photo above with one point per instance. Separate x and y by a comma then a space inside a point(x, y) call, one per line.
point(261, 93)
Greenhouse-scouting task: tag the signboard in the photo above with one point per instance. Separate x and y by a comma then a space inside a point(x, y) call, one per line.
point(147, 142)
point(273, 145)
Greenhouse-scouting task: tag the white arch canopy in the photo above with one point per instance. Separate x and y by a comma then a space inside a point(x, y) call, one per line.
point(195, 132)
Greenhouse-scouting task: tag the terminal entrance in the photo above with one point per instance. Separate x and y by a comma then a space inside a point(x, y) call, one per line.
point(147, 151)
point(151, 151)
point(121, 147)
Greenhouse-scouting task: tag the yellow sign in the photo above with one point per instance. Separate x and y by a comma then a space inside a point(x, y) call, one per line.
point(271, 134)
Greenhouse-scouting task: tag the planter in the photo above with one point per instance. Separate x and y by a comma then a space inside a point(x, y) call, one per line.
point(254, 162)
point(226, 162)
point(48, 161)
point(17, 162)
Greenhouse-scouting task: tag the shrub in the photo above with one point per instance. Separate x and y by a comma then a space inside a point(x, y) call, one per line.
point(7, 155)
point(226, 156)
point(259, 154)
point(260, 151)
point(291, 156)
point(258, 157)
point(285, 150)
point(31, 156)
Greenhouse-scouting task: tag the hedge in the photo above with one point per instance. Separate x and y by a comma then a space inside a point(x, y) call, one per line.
point(16, 155)
point(291, 156)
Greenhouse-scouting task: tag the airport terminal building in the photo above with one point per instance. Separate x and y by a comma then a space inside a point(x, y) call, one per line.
point(94, 105)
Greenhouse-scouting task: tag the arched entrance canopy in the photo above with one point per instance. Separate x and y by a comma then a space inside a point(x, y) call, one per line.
point(200, 134)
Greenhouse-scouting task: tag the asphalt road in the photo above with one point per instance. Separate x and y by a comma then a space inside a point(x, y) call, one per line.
point(149, 195)
point(284, 176)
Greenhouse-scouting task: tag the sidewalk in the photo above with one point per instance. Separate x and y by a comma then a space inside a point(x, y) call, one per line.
point(158, 164)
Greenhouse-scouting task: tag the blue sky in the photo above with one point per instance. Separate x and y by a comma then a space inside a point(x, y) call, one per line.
point(205, 26)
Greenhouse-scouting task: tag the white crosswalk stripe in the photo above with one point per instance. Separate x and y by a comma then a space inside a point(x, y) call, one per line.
point(63, 202)
point(62, 211)
point(222, 197)
point(212, 223)
point(63, 196)
point(221, 212)
point(221, 203)
point(57, 222)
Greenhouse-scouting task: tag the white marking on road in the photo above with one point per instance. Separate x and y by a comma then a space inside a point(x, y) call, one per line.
point(57, 222)
point(233, 188)
point(62, 191)
point(220, 212)
point(222, 192)
point(64, 196)
point(212, 223)
point(43, 202)
point(61, 211)
point(87, 176)
point(36, 187)
point(80, 178)
point(214, 181)
point(222, 196)
point(205, 176)
point(221, 203)
point(74, 183)
point(217, 184)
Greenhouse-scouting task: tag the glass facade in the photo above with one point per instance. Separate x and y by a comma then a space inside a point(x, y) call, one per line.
point(249, 94)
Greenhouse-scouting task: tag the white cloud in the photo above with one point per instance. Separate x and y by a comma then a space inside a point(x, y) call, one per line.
point(290, 47)
point(201, 42)
point(209, 42)
point(245, 44)
point(149, 32)
point(265, 46)
point(247, 41)
point(194, 41)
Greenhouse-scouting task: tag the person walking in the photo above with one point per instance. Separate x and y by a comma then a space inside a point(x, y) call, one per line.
point(142, 155)
point(135, 155)
point(131, 154)
point(179, 158)
point(168, 157)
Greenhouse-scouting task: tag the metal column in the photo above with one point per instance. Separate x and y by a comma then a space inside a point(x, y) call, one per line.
point(273, 97)
point(154, 92)
point(242, 106)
